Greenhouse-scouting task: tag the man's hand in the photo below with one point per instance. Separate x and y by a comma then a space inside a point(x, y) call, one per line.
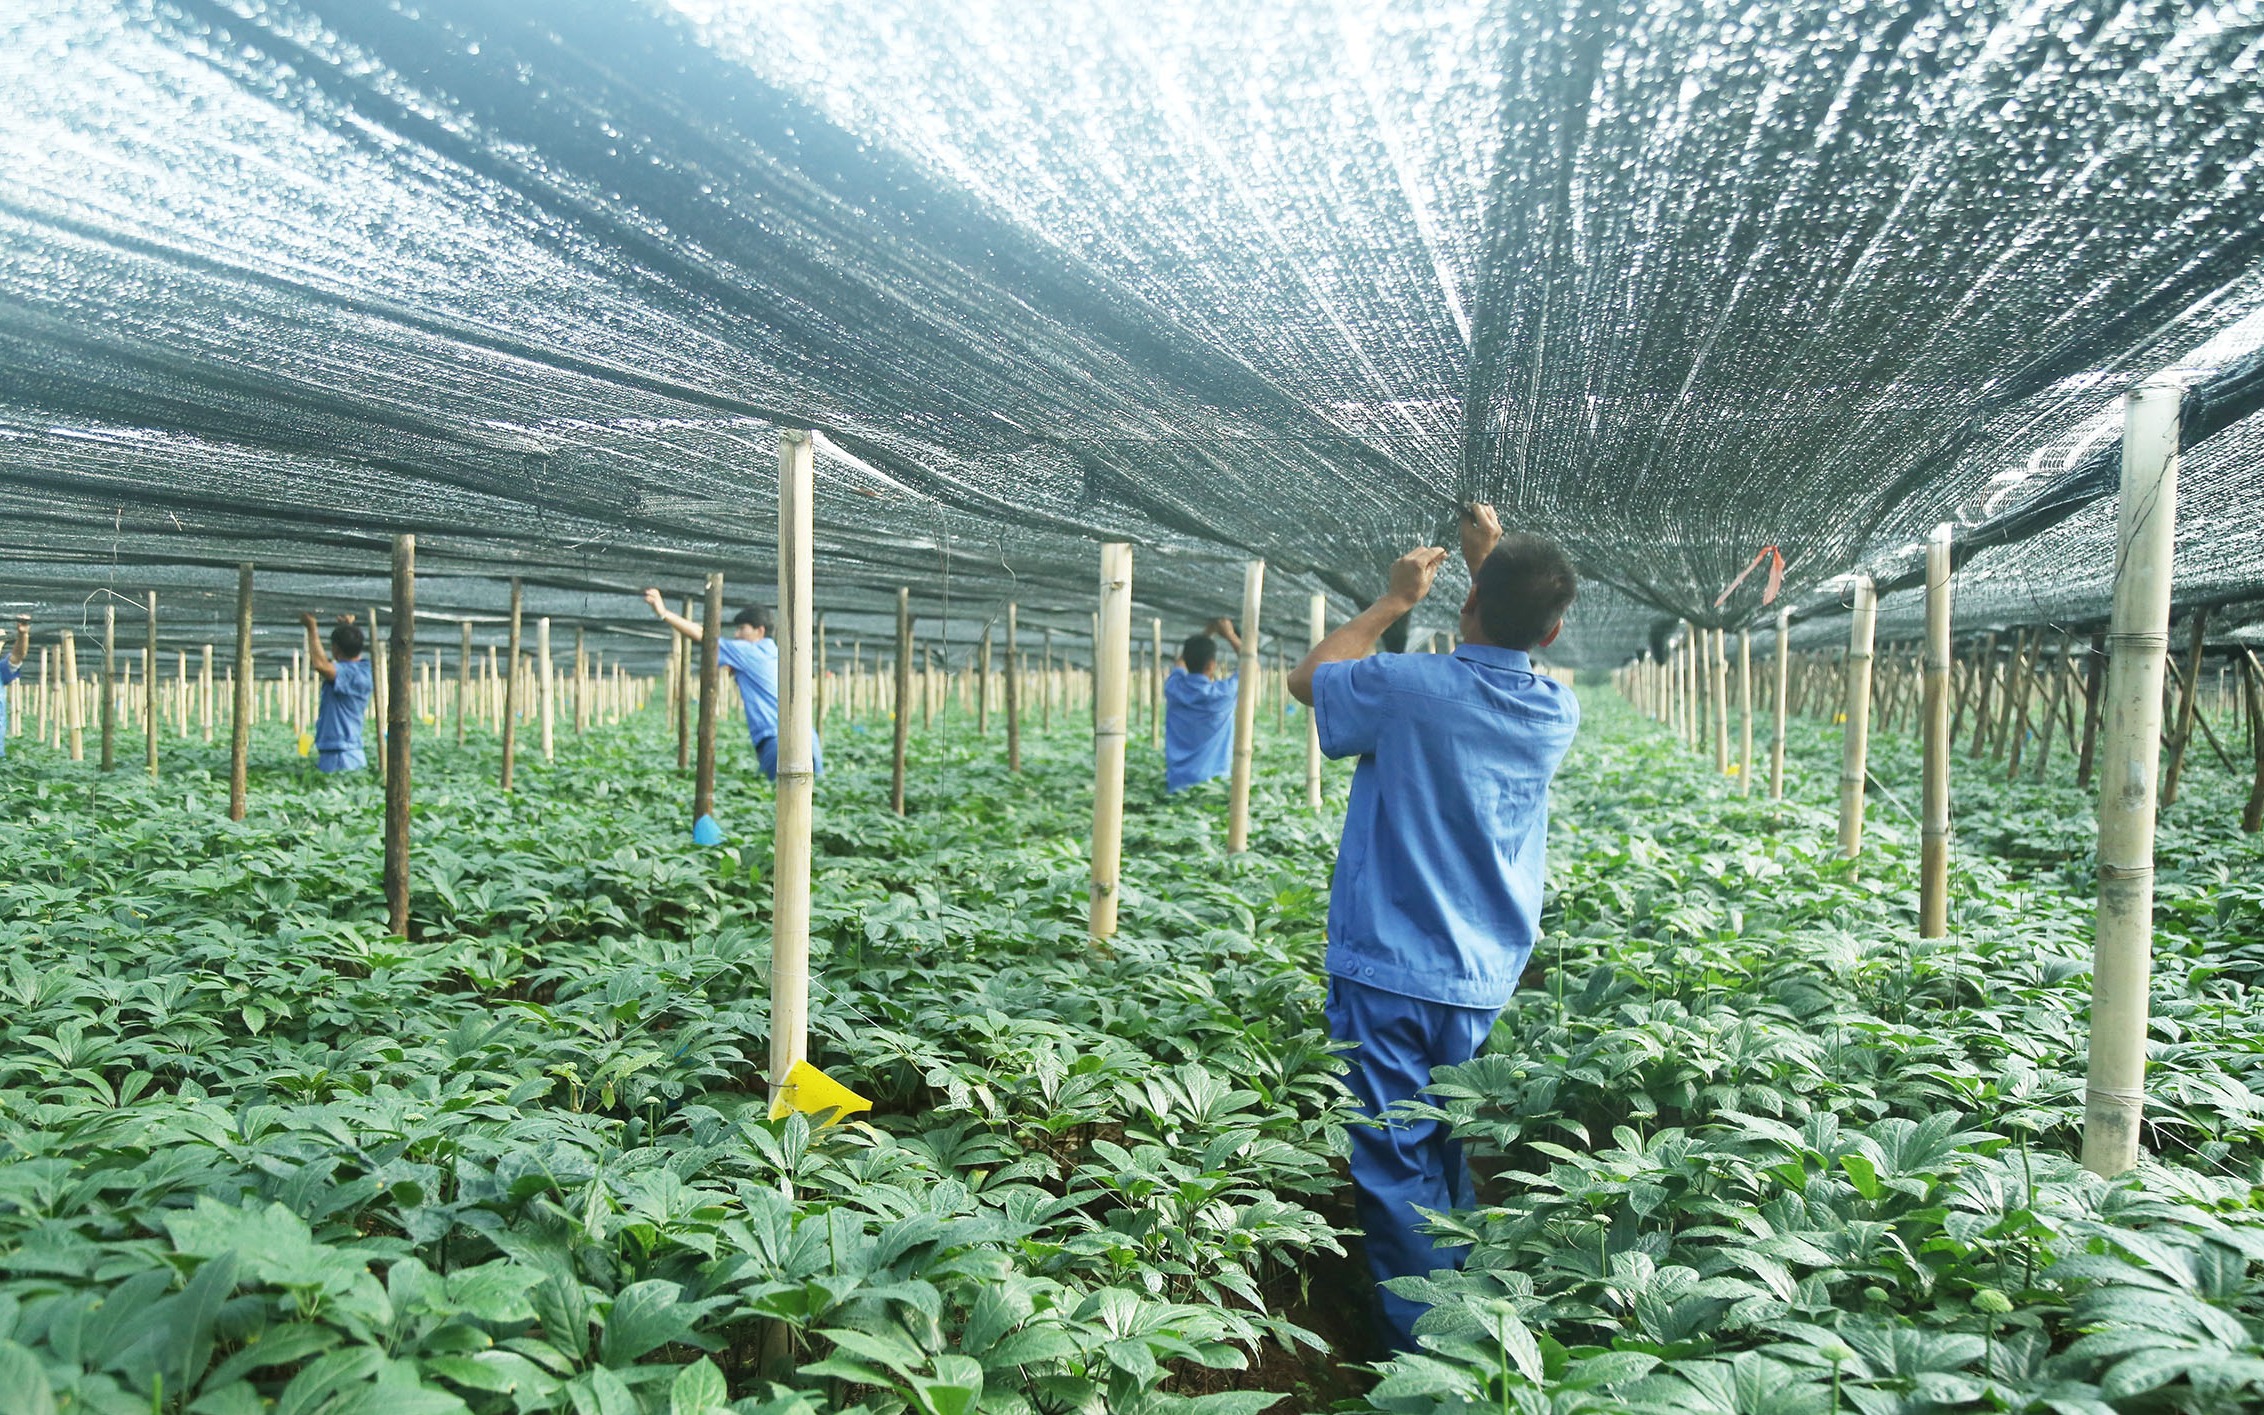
point(1412, 573)
point(1481, 532)
point(654, 601)
point(1221, 625)
point(307, 618)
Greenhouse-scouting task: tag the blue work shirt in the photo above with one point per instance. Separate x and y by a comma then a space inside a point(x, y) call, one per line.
point(755, 665)
point(338, 719)
point(1437, 894)
point(1198, 730)
point(9, 673)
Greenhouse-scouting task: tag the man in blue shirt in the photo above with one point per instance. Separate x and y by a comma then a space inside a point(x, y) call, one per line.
point(11, 668)
point(752, 656)
point(1198, 729)
point(1436, 899)
point(346, 686)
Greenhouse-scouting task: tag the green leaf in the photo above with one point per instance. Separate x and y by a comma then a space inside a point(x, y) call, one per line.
point(23, 1384)
point(1863, 1174)
point(698, 1390)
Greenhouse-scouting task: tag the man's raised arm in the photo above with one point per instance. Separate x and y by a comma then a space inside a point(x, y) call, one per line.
point(1411, 576)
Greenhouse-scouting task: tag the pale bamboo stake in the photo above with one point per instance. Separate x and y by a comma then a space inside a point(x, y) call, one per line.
point(581, 682)
point(240, 728)
point(1717, 706)
point(546, 689)
point(74, 704)
point(2024, 693)
point(711, 684)
point(982, 688)
point(2052, 706)
point(822, 703)
point(1855, 741)
point(1112, 664)
point(1317, 613)
point(1013, 693)
point(797, 774)
point(151, 712)
point(463, 674)
point(1045, 687)
point(2188, 690)
point(1745, 712)
point(1934, 828)
point(1247, 673)
point(683, 690)
point(43, 706)
point(510, 713)
point(2139, 639)
point(181, 694)
point(381, 689)
point(400, 727)
point(903, 730)
point(109, 686)
point(1155, 686)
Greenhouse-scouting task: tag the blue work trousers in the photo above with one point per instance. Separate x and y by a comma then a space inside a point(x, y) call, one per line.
point(1407, 1164)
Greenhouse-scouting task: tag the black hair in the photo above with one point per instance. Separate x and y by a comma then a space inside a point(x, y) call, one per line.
point(1524, 588)
point(1198, 653)
point(754, 617)
point(347, 641)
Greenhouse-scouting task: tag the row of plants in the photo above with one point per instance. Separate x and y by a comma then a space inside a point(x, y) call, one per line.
point(1751, 1146)
point(258, 1156)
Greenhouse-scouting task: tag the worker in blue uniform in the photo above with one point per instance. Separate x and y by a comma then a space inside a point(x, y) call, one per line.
point(1198, 725)
point(347, 683)
point(752, 656)
point(11, 668)
point(1436, 899)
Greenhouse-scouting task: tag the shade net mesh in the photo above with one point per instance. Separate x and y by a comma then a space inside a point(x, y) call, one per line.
point(1671, 282)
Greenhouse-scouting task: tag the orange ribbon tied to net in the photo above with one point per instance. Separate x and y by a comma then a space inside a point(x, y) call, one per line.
point(1775, 558)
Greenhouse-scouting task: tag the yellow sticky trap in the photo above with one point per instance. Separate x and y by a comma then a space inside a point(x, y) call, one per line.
point(811, 1092)
point(306, 744)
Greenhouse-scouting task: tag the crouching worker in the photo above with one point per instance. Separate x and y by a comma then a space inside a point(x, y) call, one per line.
point(752, 656)
point(1436, 898)
point(346, 686)
point(1198, 723)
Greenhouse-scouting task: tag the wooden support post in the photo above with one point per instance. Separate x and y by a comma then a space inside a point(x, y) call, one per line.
point(1013, 694)
point(463, 674)
point(581, 681)
point(982, 688)
point(1247, 676)
point(903, 699)
point(711, 682)
point(1936, 729)
point(1986, 666)
point(150, 709)
point(2052, 704)
point(240, 732)
point(797, 767)
point(928, 689)
point(511, 687)
point(546, 689)
point(2024, 693)
point(109, 686)
point(381, 687)
point(1717, 692)
point(821, 701)
point(2189, 689)
point(400, 726)
point(1045, 687)
point(1784, 684)
point(2252, 686)
point(1855, 740)
point(1155, 686)
point(2139, 638)
point(1317, 612)
point(1112, 666)
point(1745, 712)
point(204, 695)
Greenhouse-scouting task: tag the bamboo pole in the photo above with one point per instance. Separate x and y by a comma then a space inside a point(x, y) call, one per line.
point(2188, 701)
point(1717, 665)
point(2145, 539)
point(2052, 706)
point(1155, 685)
point(463, 674)
point(150, 710)
point(1112, 664)
point(982, 688)
point(711, 682)
point(797, 773)
point(581, 681)
point(1855, 740)
point(1247, 672)
point(2094, 685)
point(1987, 667)
point(1745, 712)
point(109, 686)
point(903, 733)
point(686, 675)
point(1784, 685)
point(2252, 685)
point(511, 688)
point(1045, 686)
point(1317, 612)
point(400, 727)
point(822, 697)
point(546, 689)
point(1934, 830)
point(381, 687)
point(1013, 694)
point(2024, 693)
point(240, 731)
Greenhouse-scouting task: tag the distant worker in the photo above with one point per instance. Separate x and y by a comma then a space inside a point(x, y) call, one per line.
point(11, 668)
point(346, 685)
point(752, 656)
point(1436, 899)
point(1198, 726)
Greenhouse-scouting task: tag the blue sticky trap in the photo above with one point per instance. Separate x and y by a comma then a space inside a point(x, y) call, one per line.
point(706, 832)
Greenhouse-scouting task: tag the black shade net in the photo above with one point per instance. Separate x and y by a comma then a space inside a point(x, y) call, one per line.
point(1672, 282)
